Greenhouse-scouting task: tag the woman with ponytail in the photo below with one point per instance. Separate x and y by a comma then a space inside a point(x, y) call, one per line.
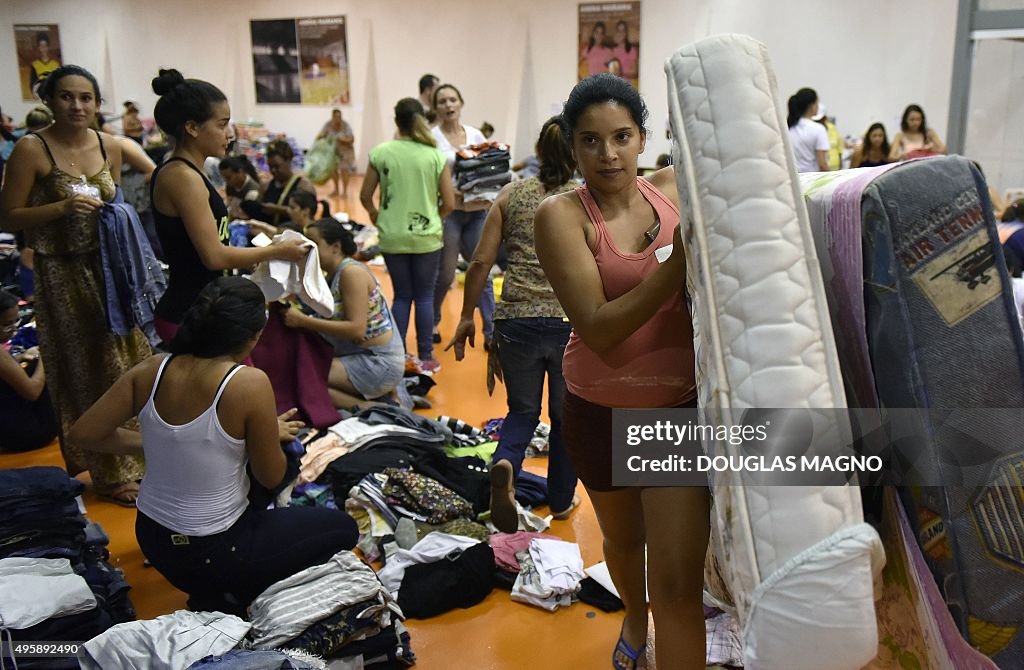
point(369, 357)
point(530, 329)
point(190, 215)
point(809, 139)
point(205, 418)
point(413, 176)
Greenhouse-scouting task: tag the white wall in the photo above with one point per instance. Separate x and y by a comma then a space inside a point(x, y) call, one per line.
point(866, 59)
point(996, 113)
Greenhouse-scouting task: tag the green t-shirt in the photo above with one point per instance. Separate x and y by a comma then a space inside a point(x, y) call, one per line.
point(409, 222)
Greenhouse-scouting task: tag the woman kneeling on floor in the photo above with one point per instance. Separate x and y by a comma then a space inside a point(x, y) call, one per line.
point(369, 355)
point(204, 418)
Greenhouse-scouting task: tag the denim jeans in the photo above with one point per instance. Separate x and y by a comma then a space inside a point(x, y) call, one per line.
point(21, 485)
point(527, 350)
point(413, 277)
point(462, 232)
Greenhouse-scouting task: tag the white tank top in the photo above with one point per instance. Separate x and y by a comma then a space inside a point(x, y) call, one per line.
point(195, 482)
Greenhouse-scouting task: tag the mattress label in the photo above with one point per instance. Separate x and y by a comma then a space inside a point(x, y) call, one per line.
point(663, 253)
point(961, 280)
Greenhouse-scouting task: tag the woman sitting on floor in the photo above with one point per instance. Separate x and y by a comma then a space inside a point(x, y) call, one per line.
point(369, 355)
point(204, 418)
point(27, 419)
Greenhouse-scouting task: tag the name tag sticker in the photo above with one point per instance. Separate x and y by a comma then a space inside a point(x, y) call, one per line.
point(663, 253)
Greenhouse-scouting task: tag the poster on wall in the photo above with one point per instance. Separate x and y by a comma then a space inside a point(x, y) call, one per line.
point(609, 39)
point(323, 50)
point(38, 47)
point(301, 60)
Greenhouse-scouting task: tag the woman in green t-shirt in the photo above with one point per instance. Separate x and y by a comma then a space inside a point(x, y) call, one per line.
point(413, 177)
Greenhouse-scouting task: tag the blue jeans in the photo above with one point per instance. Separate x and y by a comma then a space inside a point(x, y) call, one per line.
point(527, 350)
point(413, 277)
point(462, 232)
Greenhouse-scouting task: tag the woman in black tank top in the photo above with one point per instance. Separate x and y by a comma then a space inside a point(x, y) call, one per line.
point(191, 217)
point(874, 150)
point(273, 205)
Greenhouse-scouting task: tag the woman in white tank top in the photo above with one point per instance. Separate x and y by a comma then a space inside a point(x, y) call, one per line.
point(204, 418)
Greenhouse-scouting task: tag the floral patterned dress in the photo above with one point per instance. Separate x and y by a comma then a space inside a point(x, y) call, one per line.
point(82, 358)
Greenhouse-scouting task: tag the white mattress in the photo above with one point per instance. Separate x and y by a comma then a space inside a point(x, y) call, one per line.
point(799, 561)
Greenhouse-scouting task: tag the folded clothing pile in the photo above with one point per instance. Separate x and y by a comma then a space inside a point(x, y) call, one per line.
point(169, 642)
point(338, 609)
point(55, 579)
point(481, 170)
point(550, 573)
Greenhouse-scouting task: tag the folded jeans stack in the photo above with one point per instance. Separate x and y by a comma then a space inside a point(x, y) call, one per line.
point(40, 523)
point(482, 170)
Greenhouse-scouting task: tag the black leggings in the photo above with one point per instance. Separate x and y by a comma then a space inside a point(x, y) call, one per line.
point(228, 570)
point(25, 424)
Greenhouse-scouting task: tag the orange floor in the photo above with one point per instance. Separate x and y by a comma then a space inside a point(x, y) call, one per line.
point(497, 634)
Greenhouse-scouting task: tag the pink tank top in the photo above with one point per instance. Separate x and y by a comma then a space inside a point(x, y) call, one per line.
point(654, 366)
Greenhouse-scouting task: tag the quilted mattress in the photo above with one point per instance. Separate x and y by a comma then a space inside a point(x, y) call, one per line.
point(943, 334)
point(799, 561)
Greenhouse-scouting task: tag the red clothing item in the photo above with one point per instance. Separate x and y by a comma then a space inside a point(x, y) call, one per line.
point(297, 362)
point(653, 367)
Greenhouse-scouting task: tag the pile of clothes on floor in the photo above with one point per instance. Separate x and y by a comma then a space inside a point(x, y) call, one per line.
point(55, 579)
point(338, 610)
point(419, 490)
point(482, 170)
point(335, 610)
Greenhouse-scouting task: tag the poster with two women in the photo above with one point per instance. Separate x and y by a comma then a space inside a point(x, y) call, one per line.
point(609, 39)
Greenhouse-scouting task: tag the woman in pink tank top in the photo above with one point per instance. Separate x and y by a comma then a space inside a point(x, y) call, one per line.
point(613, 255)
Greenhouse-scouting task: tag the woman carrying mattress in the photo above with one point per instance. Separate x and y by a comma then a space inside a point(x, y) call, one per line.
point(613, 254)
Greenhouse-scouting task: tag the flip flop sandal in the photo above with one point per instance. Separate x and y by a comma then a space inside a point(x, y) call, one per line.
point(566, 513)
point(634, 655)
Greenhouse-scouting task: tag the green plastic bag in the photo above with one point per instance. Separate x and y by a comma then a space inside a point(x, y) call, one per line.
point(320, 161)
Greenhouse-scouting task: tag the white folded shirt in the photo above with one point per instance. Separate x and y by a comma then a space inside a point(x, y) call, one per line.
point(36, 589)
point(278, 279)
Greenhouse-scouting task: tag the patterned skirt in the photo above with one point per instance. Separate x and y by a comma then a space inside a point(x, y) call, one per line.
point(82, 358)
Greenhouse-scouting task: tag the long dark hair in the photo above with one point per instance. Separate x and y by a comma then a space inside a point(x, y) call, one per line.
point(885, 140)
point(907, 112)
point(557, 164)
point(228, 313)
point(590, 43)
point(183, 100)
point(798, 104)
point(628, 45)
